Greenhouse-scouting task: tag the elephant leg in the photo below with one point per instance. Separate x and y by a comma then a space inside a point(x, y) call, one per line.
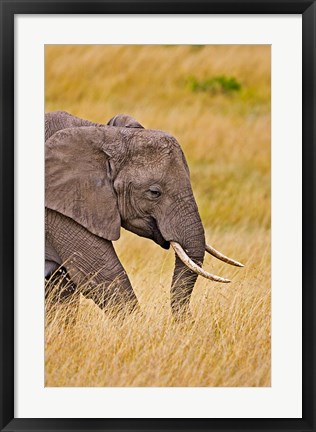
point(61, 297)
point(59, 289)
point(59, 286)
point(52, 259)
point(91, 262)
point(50, 268)
point(108, 285)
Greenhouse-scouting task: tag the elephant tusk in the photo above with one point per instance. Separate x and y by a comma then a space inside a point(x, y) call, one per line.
point(222, 257)
point(194, 267)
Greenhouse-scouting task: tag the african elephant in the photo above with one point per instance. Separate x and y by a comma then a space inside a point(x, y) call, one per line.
point(57, 120)
point(101, 178)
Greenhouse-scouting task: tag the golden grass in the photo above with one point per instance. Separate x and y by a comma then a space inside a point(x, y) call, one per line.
point(226, 139)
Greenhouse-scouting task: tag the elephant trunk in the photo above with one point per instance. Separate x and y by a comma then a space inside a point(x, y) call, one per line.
point(183, 228)
point(184, 278)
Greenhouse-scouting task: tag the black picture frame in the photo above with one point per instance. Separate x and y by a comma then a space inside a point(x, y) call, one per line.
point(8, 9)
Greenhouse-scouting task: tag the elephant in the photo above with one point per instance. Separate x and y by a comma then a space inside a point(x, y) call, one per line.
point(99, 179)
point(57, 120)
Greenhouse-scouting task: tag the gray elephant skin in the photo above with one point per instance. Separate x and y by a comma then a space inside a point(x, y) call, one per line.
point(57, 120)
point(99, 178)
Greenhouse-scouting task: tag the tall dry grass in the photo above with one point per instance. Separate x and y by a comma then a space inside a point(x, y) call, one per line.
point(226, 139)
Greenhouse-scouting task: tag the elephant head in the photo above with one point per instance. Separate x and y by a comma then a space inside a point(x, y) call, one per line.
point(105, 178)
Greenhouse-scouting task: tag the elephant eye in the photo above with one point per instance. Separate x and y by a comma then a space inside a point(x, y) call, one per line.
point(154, 192)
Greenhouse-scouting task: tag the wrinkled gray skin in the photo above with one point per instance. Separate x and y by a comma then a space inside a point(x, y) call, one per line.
point(101, 178)
point(57, 120)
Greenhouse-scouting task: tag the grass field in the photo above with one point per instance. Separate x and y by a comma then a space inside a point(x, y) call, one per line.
point(225, 135)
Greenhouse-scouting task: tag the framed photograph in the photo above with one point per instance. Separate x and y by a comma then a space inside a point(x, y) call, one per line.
point(157, 167)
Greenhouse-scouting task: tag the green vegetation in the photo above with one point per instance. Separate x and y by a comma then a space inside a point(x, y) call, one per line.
point(218, 84)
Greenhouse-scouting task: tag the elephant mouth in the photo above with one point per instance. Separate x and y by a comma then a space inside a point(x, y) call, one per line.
point(163, 243)
point(147, 228)
point(158, 238)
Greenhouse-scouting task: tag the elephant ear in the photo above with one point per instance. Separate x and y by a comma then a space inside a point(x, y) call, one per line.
point(124, 120)
point(78, 180)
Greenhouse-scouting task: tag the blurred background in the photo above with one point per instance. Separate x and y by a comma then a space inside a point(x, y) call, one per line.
point(215, 100)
